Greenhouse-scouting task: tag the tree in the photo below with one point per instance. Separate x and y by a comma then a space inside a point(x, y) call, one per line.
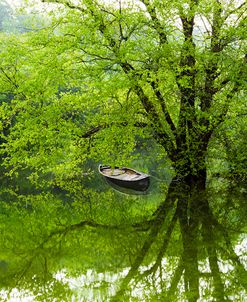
point(125, 70)
point(90, 84)
point(179, 65)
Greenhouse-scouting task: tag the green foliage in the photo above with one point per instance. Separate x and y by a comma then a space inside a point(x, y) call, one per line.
point(227, 155)
point(97, 78)
point(143, 83)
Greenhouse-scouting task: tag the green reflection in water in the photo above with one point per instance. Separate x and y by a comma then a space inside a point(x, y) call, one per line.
point(100, 245)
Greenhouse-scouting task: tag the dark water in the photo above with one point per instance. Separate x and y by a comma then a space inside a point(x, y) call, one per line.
point(98, 244)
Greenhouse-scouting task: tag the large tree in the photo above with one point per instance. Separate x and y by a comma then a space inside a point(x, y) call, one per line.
point(180, 64)
point(171, 70)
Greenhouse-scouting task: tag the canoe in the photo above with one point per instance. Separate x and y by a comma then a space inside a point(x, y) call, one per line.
point(125, 177)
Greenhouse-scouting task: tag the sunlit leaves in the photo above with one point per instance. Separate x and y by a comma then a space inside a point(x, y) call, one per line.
point(119, 66)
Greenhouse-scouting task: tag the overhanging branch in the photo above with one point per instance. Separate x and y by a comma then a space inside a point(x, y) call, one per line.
point(93, 130)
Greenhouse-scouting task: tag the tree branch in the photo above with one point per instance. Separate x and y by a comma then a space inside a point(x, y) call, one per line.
point(10, 80)
point(221, 117)
point(161, 135)
point(98, 128)
point(157, 25)
point(155, 86)
point(235, 10)
point(66, 3)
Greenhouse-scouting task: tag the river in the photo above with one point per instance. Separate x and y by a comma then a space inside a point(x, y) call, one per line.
point(94, 243)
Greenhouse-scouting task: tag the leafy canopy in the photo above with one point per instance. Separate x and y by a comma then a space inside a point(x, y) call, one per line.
point(100, 75)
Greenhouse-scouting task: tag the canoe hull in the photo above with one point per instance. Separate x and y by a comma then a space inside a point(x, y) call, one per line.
point(140, 184)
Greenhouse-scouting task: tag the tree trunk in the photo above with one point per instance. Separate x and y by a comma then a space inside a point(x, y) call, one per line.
point(190, 164)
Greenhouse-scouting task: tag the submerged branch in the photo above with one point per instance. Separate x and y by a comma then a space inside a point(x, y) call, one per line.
point(160, 215)
point(143, 226)
point(164, 246)
point(174, 282)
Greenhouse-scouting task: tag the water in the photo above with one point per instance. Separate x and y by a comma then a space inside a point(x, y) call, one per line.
point(98, 244)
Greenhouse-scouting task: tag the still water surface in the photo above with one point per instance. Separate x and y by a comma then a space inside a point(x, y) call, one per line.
point(97, 244)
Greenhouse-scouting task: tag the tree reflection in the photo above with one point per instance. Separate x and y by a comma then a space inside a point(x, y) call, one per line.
point(179, 251)
point(203, 239)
